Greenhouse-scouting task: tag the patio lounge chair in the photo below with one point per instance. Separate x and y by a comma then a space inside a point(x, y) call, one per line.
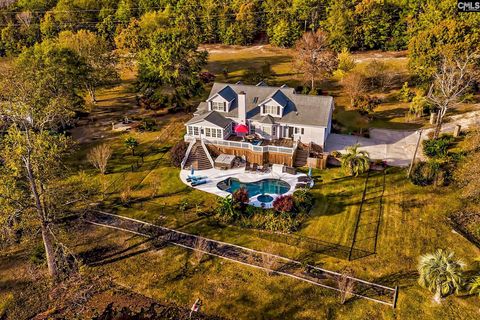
point(198, 182)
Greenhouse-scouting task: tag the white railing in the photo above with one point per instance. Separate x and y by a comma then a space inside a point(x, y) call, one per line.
point(189, 149)
point(245, 145)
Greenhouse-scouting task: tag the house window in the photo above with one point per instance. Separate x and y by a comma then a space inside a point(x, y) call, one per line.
point(252, 129)
point(219, 106)
point(189, 130)
point(207, 132)
point(299, 130)
point(196, 132)
point(269, 109)
point(274, 131)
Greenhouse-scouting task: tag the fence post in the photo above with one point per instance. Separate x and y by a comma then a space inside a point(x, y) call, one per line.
point(395, 297)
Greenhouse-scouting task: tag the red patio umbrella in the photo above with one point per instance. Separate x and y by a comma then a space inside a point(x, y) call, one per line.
point(241, 128)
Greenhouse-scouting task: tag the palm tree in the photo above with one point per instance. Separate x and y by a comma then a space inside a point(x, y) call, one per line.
point(475, 286)
point(131, 143)
point(440, 273)
point(355, 162)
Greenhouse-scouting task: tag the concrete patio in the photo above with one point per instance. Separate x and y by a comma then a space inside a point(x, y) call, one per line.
point(214, 176)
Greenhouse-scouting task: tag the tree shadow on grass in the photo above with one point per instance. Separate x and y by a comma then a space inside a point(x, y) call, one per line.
point(103, 255)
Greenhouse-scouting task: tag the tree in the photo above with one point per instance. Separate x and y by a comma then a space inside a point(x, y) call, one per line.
point(440, 273)
point(96, 53)
point(339, 24)
point(313, 57)
point(169, 67)
point(346, 62)
point(131, 143)
point(284, 33)
point(354, 161)
point(439, 28)
point(451, 81)
point(178, 152)
point(354, 84)
point(37, 98)
point(99, 156)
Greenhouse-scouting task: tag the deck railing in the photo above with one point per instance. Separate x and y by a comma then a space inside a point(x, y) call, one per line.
point(246, 145)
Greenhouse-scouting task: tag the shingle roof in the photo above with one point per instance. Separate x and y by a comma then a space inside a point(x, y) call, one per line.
point(299, 109)
point(268, 119)
point(213, 117)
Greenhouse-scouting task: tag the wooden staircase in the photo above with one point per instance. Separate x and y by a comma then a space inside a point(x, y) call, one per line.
point(198, 158)
point(301, 156)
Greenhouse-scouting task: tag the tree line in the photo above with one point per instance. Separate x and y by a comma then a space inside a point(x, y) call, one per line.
point(351, 24)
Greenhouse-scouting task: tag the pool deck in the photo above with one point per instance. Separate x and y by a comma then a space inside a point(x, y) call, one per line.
point(214, 176)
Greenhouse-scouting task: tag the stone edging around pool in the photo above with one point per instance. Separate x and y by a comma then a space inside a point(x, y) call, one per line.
point(214, 176)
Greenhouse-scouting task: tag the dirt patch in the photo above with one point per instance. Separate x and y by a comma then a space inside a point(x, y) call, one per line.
point(123, 304)
point(467, 223)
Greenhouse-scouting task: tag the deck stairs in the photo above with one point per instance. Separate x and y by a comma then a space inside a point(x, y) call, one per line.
point(301, 155)
point(198, 158)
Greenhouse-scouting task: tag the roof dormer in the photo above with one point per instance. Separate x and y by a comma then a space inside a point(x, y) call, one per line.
point(222, 100)
point(274, 105)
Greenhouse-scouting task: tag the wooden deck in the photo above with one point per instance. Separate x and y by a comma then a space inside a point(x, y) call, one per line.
point(288, 143)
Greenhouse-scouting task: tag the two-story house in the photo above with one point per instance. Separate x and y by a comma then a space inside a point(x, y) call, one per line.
point(260, 122)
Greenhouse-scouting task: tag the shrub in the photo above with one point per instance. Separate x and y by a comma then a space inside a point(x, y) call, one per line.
point(241, 196)
point(177, 153)
point(365, 104)
point(424, 173)
point(406, 95)
point(437, 148)
point(283, 203)
point(303, 200)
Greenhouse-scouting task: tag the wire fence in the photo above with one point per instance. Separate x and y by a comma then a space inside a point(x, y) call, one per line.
point(262, 260)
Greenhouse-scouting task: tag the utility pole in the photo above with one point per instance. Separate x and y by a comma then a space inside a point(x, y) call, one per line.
point(415, 153)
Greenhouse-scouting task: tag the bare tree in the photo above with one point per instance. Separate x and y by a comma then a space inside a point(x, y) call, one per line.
point(313, 57)
point(99, 156)
point(346, 285)
point(450, 83)
point(201, 246)
point(354, 85)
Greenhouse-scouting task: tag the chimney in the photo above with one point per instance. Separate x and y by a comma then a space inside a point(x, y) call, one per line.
point(242, 107)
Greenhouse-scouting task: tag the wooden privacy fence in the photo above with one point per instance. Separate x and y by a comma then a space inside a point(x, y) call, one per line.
point(246, 256)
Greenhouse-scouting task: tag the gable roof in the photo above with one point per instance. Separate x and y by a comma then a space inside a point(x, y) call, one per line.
point(268, 119)
point(299, 108)
point(213, 117)
point(226, 93)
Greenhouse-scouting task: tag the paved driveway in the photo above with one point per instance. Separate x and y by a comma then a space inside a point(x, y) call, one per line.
point(397, 146)
point(394, 146)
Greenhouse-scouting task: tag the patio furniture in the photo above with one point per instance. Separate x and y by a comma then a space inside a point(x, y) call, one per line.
point(291, 170)
point(198, 182)
point(255, 167)
point(247, 167)
point(300, 185)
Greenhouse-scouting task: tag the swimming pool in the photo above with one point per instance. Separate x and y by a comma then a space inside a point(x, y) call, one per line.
point(272, 186)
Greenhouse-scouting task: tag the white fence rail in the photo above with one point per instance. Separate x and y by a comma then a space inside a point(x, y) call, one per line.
point(189, 149)
point(245, 145)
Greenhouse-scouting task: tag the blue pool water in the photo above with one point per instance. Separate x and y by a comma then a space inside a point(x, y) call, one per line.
point(265, 198)
point(273, 186)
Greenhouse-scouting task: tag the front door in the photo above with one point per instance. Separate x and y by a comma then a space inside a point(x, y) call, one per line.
point(290, 132)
